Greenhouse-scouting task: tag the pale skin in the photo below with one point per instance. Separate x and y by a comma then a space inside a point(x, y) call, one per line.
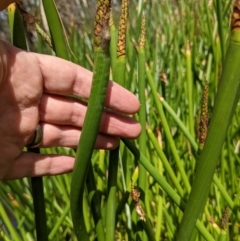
point(34, 89)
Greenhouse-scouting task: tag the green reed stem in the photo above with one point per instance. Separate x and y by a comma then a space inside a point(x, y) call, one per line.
point(39, 208)
point(165, 162)
point(142, 181)
point(95, 204)
point(59, 39)
point(225, 103)
point(190, 89)
point(59, 222)
point(9, 224)
point(223, 236)
point(101, 164)
point(119, 73)
point(142, 98)
point(219, 12)
point(86, 143)
point(92, 118)
point(147, 226)
point(113, 43)
point(17, 31)
point(112, 195)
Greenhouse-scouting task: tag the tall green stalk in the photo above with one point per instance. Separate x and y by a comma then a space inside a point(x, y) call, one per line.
point(190, 89)
point(93, 116)
point(225, 103)
point(119, 73)
point(142, 98)
point(16, 25)
point(142, 181)
point(219, 13)
point(9, 224)
point(59, 39)
point(113, 43)
point(95, 204)
point(112, 195)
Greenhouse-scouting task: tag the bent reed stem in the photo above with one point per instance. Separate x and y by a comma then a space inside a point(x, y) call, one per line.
point(93, 116)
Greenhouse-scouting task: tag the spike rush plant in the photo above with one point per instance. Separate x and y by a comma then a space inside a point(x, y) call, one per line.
point(118, 63)
point(93, 115)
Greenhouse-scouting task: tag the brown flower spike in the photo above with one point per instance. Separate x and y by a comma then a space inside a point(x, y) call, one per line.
point(101, 25)
point(235, 21)
point(121, 46)
point(203, 125)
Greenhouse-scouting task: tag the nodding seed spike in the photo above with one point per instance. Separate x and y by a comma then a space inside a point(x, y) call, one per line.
point(121, 45)
point(44, 35)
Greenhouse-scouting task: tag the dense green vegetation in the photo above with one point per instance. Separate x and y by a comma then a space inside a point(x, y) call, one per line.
point(174, 65)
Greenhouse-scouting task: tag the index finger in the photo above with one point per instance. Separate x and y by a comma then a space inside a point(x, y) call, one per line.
point(65, 78)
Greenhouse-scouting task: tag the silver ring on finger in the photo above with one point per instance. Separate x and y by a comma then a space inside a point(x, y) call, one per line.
point(38, 135)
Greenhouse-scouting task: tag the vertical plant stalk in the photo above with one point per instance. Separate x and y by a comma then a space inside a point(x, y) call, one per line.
point(142, 181)
point(16, 26)
point(220, 26)
point(225, 103)
point(9, 224)
point(165, 162)
point(113, 42)
point(39, 206)
point(93, 115)
point(112, 195)
point(95, 204)
point(119, 70)
point(142, 98)
point(59, 39)
point(19, 40)
point(190, 89)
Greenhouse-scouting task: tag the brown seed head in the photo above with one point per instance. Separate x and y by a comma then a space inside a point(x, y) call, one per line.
point(203, 125)
point(235, 20)
point(101, 26)
point(121, 45)
point(142, 41)
point(225, 217)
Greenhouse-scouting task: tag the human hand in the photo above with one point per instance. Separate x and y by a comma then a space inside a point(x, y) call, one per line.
point(5, 3)
point(34, 89)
